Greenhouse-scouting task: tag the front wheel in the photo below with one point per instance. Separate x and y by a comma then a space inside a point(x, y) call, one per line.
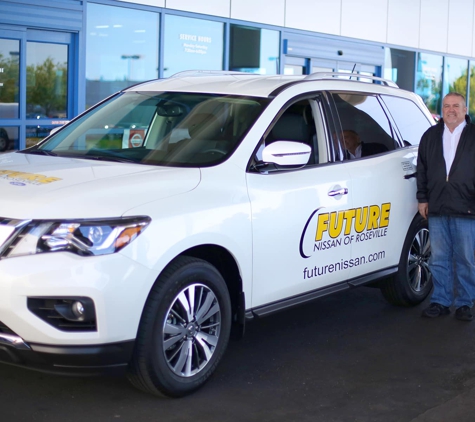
point(413, 281)
point(184, 329)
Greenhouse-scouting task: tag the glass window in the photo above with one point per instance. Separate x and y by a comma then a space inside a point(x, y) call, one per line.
point(455, 75)
point(122, 49)
point(8, 138)
point(429, 81)
point(295, 124)
point(46, 80)
point(399, 67)
point(192, 44)
point(410, 120)
point(9, 78)
point(167, 128)
point(471, 97)
point(365, 127)
point(36, 133)
point(254, 50)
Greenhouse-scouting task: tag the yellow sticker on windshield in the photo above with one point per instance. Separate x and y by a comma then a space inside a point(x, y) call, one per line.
point(30, 178)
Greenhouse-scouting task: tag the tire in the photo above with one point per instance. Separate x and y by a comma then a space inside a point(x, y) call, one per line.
point(413, 282)
point(180, 341)
point(3, 143)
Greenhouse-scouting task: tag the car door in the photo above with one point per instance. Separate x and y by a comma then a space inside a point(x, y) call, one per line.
point(383, 199)
point(297, 215)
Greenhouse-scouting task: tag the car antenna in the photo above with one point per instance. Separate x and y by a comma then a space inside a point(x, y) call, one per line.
point(352, 70)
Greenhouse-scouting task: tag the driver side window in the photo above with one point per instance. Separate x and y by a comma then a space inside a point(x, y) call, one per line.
point(295, 124)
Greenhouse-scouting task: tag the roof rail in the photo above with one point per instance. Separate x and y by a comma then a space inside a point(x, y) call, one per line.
point(331, 75)
point(208, 73)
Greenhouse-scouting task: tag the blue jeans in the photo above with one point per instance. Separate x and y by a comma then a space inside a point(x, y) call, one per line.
point(452, 241)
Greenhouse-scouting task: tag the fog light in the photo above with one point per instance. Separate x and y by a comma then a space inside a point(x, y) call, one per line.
point(78, 310)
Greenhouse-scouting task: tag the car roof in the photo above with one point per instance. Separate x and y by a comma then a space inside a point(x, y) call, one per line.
point(249, 84)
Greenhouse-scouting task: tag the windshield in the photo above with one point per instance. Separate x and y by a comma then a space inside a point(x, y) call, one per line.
point(166, 128)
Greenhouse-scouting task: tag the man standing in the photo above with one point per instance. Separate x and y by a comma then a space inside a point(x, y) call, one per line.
point(446, 195)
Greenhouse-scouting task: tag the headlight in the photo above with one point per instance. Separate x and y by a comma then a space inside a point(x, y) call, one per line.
point(83, 237)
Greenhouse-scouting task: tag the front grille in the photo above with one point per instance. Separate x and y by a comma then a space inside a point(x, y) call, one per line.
point(51, 310)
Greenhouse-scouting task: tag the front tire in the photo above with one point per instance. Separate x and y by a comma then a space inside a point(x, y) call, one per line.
point(184, 330)
point(413, 281)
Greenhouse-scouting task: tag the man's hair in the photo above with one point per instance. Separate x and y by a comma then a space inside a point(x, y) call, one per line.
point(456, 94)
point(352, 131)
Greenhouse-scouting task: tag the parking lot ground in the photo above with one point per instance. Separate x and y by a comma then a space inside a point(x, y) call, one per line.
point(346, 357)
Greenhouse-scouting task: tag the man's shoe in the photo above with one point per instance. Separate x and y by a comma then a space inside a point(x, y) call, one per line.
point(435, 310)
point(464, 313)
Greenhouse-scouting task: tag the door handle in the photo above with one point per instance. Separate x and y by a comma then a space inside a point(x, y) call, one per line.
point(336, 192)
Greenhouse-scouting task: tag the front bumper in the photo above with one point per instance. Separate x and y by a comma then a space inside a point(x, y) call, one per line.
point(66, 360)
point(117, 286)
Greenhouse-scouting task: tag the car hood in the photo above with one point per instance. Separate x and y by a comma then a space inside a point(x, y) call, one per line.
point(36, 187)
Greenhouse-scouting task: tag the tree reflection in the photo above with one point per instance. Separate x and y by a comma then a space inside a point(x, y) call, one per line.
point(46, 89)
point(430, 91)
point(9, 78)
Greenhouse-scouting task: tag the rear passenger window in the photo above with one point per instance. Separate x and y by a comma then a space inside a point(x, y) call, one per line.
point(366, 129)
point(410, 120)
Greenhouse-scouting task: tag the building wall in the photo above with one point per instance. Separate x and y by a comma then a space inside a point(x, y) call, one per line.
point(445, 26)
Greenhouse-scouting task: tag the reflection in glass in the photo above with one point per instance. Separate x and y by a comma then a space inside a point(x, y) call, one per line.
point(35, 134)
point(429, 81)
point(159, 128)
point(192, 44)
point(455, 75)
point(8, 138)
point(471, 96)
point(46, 80)
point(9, 78)
point(254, 50)
point(399, 67)
point(122, 49)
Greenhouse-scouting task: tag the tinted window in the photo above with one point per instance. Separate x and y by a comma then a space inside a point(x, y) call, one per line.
point(409, 118)
point(254, 50)
point(400, 67)
point(364, 121)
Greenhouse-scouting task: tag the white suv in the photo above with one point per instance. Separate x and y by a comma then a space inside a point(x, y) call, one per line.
point(140, 233)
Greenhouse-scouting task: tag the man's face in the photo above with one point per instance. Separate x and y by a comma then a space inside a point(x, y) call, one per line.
point(453, 110)
point(351, 140)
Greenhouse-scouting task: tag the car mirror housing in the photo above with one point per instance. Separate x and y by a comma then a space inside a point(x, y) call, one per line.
point(286, 154)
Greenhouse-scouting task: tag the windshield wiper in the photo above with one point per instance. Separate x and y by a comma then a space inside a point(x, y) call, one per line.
point(108, 158)
point(39, 152)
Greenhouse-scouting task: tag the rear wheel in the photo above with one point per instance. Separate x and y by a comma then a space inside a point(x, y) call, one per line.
point(184, 329)
point(413, 282)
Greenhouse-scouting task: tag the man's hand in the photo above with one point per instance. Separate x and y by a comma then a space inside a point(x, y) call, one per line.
point(423, 209)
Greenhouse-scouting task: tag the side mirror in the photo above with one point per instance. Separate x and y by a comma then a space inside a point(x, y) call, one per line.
point(281, 155)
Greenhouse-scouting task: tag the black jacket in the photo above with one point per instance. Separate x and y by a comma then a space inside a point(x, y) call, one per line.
point(453, 194)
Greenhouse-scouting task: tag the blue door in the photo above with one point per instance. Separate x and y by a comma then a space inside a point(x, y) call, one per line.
point(37, 85)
